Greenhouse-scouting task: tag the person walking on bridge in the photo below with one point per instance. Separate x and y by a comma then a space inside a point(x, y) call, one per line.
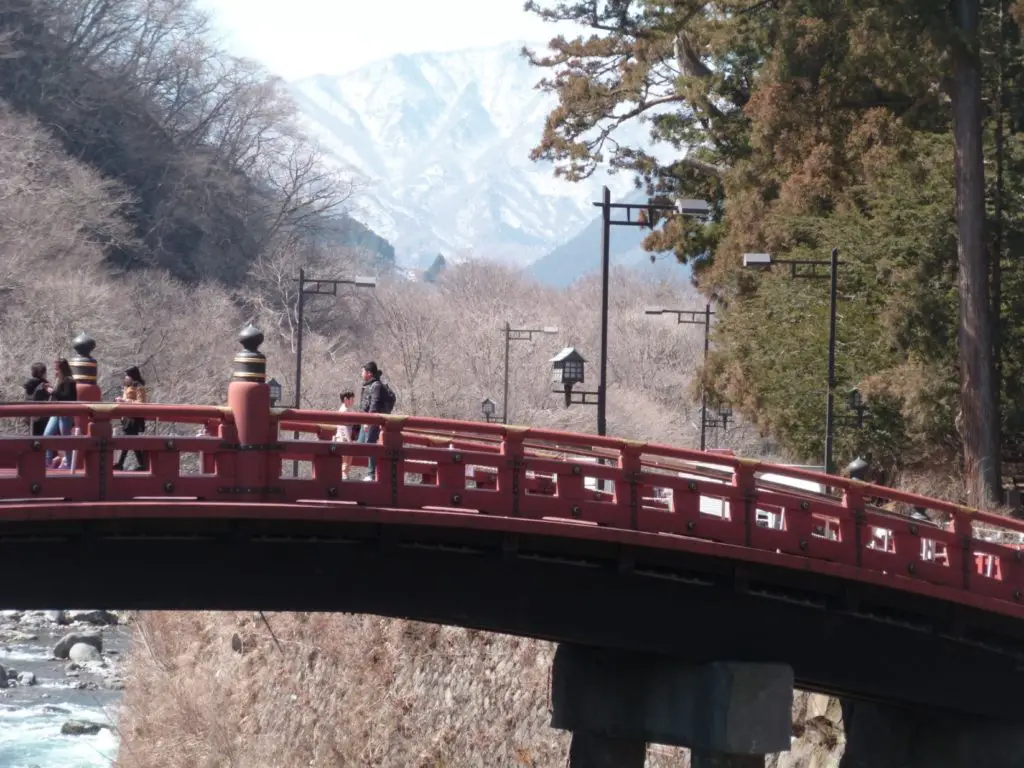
point(346, 433)
point(65, 390)
point(134, 392)
point(37, 390)
point(371, 400)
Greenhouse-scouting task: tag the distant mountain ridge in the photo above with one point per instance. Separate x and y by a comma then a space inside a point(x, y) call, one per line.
point(581, 255)
point(441, 143)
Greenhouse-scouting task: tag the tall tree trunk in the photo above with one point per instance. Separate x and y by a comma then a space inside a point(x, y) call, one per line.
point(998, 203)
point(977, 387)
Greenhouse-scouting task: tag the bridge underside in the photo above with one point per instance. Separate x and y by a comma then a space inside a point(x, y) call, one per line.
point(840, 637)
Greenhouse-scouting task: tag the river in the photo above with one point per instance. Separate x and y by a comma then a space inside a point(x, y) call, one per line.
point(33, 714)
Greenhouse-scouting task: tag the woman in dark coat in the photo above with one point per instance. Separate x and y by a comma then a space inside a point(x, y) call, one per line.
point(64, 391)
point(37, 390)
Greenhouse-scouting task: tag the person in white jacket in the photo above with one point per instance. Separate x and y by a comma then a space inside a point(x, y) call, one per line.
point(346, 433)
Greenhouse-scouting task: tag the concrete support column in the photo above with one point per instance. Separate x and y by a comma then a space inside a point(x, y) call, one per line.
point(589, 750)
point(699, 759)
point(730, 714)
point(880, 736)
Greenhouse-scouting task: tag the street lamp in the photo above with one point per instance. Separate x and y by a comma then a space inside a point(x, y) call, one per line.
point(275, 391)
point(647, 215)
point(857, 469)
point(855, 402)
point(808, 269)
point(567, 370)
point(518, 334)
point(487, 408)
point(693, 317)
point(720, 419)
point(725, 413)
point(316, 288)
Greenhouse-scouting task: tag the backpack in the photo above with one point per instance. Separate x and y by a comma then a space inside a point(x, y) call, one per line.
point(388, 398)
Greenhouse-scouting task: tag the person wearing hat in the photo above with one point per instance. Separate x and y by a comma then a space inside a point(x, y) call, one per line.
point(134, 392)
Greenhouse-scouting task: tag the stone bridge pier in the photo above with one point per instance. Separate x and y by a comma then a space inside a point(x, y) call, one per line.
point(729, 714)
point(881, 736)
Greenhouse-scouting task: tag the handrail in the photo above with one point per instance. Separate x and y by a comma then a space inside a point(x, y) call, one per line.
point(526, 473)
point(155, 411)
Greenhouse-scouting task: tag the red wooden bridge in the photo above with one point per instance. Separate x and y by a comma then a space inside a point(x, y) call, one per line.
point(504, 528)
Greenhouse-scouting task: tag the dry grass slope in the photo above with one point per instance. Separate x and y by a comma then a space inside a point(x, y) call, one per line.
point(343, 690)
point(340, 690)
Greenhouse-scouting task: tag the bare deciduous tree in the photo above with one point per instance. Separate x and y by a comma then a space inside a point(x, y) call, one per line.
point(208, 143)
point(271, 294)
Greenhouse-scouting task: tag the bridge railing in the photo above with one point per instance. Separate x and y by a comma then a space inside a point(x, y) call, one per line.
point(662, 494)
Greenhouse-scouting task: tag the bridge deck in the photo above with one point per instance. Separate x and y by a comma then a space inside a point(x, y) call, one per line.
point(554, 580)
point(504, 528)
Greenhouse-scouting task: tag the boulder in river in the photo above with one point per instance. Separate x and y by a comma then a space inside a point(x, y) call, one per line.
point(81, 728)
point(63, 647)
point(15, 636)
point(3, 677)
point(98, 617)
point(27, 678)
point(80, 652)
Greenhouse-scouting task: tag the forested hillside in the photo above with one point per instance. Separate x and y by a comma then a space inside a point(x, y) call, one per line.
point(885, 129)
point(206, 146)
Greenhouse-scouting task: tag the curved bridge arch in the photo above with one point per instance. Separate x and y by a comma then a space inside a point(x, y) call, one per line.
point(504, 528)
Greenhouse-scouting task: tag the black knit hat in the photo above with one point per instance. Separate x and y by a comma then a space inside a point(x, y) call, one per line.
point(134, 374)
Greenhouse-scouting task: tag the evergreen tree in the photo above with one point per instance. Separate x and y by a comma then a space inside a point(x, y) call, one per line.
point(435, 269)
point(811, 124)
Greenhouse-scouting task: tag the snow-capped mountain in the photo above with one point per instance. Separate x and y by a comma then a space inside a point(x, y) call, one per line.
point(441, 143)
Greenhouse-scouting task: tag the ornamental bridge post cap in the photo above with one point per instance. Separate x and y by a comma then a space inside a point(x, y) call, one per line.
point(83, 367)
point(251, 338)
point(84, 344)
point(250, 364)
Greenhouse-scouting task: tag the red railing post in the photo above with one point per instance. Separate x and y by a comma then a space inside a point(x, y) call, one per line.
point(745, 480)
point(209, 458)
point(853, 525)
point(511, 475)
point(85, 372)
point(249, 401)
point(963, 528)
point(327, 467)
point(98, 464)
point(391, 465)
point(629, 488)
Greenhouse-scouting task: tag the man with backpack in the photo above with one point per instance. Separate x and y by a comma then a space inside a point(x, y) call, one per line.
point(376, 397)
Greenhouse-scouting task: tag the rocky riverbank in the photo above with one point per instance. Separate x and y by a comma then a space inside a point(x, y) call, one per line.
point(60, 687)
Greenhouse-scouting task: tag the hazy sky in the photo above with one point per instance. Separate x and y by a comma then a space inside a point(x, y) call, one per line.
point(298, 38)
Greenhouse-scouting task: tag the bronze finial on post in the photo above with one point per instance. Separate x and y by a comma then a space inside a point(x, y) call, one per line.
point(250, 364)
point(84, 368)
